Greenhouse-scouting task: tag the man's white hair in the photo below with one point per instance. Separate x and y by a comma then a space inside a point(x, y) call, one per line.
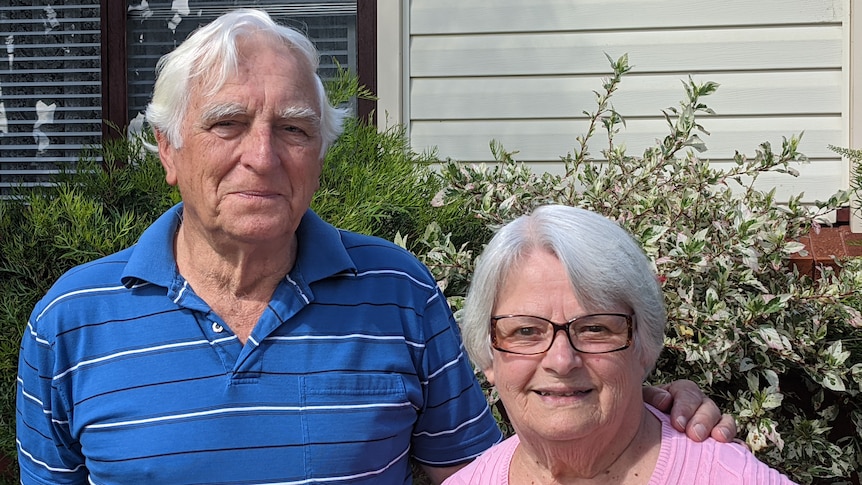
point(210, 55)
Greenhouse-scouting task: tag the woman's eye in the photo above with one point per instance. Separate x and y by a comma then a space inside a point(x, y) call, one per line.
point(593, 329)
point(527, 332)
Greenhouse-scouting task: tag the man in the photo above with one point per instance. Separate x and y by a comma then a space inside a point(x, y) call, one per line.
point(242, 339)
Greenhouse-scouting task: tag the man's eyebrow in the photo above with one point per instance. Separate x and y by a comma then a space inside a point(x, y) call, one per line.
point(300, 113)
point(218, 111)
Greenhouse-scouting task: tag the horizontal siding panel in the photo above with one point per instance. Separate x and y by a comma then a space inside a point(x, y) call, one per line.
point(758, 93)
point(649, 51)
point(547, 140)
point(458, 16)
point(523, 72)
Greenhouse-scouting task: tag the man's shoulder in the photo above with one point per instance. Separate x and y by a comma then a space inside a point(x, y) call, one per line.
point(373, 250)
point(87, 279)
point(104, 270)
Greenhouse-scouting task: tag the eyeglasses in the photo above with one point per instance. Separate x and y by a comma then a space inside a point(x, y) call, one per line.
point(599, 333)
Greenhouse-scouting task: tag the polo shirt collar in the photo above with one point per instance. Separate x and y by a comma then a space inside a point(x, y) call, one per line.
point(321, 252)
point(152, 259)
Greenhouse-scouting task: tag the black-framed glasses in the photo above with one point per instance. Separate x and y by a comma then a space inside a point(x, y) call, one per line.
point(599, 333)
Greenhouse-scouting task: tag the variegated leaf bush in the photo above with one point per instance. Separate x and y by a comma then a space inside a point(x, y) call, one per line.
point(779, 350)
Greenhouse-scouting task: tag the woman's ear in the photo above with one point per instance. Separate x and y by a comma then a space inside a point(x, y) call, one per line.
point(489, 374)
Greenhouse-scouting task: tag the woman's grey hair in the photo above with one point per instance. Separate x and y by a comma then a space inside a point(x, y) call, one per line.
point(606, 266)
point(210, 54)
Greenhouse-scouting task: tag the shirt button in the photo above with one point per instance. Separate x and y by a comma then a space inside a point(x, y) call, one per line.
point(217, 328)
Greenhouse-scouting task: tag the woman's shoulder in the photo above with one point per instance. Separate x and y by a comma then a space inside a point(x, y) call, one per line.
point(685, 461)
point(490, 468)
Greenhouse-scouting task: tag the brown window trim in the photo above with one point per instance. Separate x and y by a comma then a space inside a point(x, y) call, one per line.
point(114, 92)
point(366, 56)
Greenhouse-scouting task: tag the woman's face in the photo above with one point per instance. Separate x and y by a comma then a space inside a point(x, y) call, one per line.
point(561, 394)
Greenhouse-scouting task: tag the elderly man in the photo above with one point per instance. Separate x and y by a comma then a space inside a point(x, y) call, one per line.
point(243, 339)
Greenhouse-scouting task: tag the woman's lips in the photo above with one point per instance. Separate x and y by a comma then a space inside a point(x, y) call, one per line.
point(563, 393)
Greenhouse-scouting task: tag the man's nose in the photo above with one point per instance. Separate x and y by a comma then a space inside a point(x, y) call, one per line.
point(259, 148)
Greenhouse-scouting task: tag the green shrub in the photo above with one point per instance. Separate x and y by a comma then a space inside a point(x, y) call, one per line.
point(777, 349)
point(373, 183)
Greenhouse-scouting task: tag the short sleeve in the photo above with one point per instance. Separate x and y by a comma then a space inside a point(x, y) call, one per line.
point(47, 454)
point(456, 424)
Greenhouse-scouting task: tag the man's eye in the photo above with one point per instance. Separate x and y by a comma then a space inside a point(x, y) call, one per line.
point(224, 123)
point(293, 129)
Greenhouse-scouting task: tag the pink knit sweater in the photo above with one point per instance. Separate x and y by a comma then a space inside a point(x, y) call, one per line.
point(681, 460)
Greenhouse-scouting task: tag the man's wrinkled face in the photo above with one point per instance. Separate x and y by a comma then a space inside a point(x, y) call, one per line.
point(250, 161)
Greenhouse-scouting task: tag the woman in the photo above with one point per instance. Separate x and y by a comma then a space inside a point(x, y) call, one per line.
point(574, 397)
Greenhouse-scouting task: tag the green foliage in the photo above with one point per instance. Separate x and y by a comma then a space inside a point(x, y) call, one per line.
point(373, 183)
point(779, 350)
point(855, 157)
point(345, 87)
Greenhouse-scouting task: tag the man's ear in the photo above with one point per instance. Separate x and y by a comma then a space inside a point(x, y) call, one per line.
point(166, 155)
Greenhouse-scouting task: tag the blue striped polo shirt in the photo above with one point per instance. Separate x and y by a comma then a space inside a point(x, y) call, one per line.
point(127, 377)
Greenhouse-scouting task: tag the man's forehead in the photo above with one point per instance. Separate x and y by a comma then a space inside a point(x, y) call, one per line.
point(254, 54)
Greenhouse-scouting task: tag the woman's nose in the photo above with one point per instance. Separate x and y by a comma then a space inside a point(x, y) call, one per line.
point(562, 357)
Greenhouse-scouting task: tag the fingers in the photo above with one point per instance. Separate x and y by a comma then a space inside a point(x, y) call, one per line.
point(706, 421)
point(697, 415)
point(691, 411)
point(687, 400)
point(658, 398)
point(725, 430)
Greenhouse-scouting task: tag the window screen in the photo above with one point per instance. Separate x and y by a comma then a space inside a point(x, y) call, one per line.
point(50, 89)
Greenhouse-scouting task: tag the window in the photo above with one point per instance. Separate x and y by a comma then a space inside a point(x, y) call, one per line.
point(54, 95)
point(50, 88)
point(155, 28)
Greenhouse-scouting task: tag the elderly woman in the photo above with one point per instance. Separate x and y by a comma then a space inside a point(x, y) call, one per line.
point(566, 319)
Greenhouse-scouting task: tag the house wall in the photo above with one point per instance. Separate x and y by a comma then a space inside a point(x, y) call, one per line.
point(523, 72)
point(855, 82)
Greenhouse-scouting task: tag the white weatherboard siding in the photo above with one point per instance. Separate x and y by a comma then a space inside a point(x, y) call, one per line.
point(523, 72)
